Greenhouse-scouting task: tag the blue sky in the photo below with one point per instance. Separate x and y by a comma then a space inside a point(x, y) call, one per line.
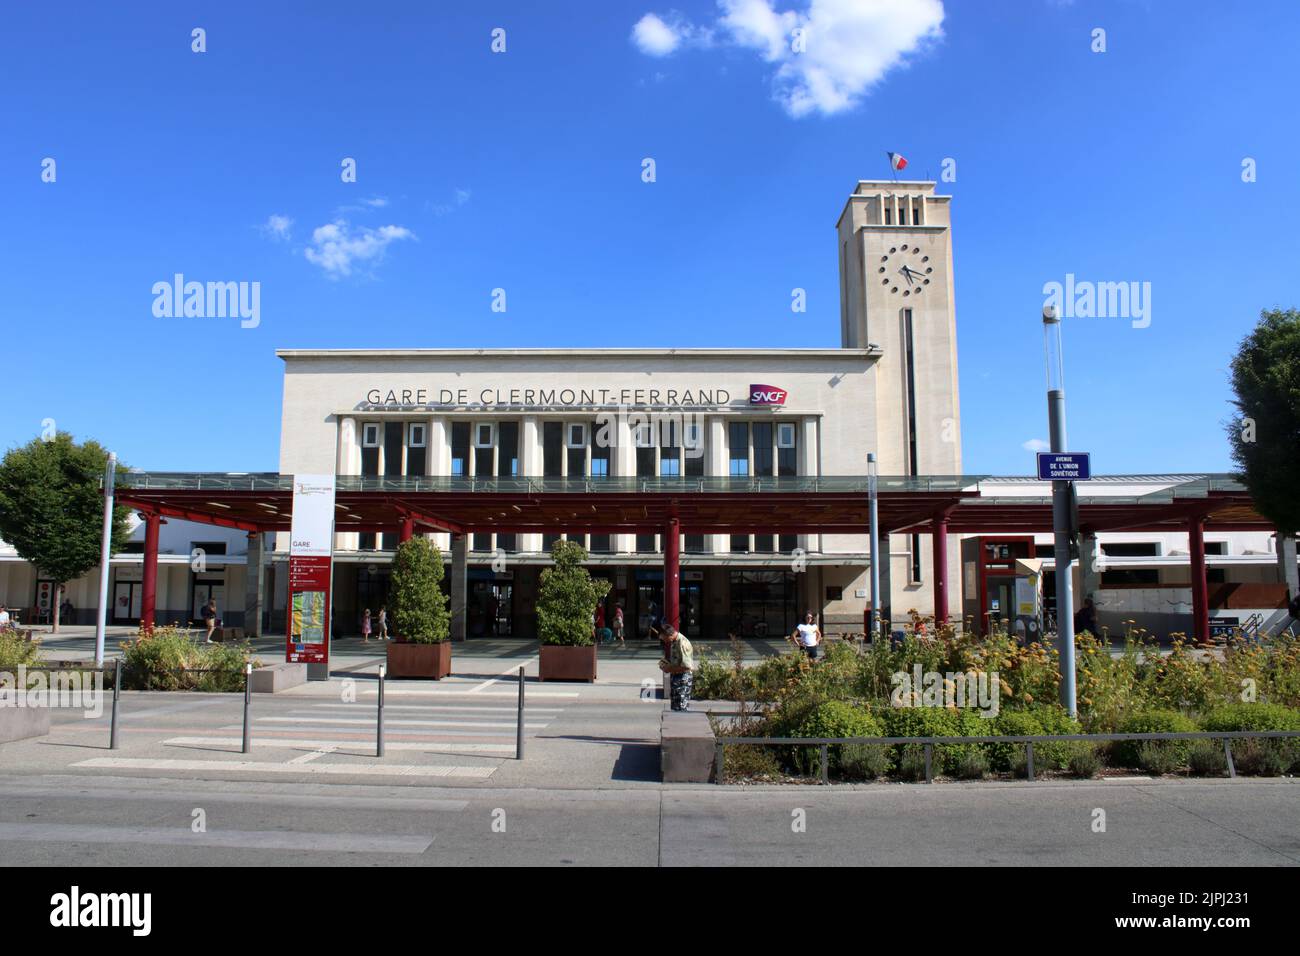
point(522, 170)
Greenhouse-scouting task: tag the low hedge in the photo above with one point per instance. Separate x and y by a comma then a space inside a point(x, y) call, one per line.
point(1128, 753)
point(1268, 757)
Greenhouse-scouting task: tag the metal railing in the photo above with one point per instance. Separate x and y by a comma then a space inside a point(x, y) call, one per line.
point(825, 743)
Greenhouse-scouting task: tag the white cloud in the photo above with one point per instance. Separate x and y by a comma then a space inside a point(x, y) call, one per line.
point(847, 45)
point(1035, 445)
point(655, 37)
point(376, 202)
point(336, 247)
point(277, 227)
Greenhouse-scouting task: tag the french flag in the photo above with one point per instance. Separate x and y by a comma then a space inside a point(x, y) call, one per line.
point(897, 162)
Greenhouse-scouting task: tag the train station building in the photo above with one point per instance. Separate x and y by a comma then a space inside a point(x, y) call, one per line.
point(735, 476)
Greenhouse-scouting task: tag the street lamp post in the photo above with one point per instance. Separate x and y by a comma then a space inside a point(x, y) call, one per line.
point(105, 547)
point(875, 546)
point(1062, 508)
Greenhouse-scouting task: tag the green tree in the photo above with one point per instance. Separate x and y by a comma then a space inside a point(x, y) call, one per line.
point(567, 596)
point(1265, 435)
point(415, 599)
point(52, 507)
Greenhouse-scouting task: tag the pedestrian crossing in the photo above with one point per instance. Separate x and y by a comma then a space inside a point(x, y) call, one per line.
point(461, 739)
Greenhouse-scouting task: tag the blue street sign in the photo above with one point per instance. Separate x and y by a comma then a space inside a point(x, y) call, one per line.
point(1064, 466)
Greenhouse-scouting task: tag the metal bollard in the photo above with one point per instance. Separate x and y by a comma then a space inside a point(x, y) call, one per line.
point(117, 692)
point(519, 728)
point(379, 722)
point(826, 764)
point(1227, 753)
point(248, 702)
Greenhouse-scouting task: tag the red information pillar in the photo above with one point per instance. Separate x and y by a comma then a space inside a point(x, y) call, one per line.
point(939, 545)
point(1200, 590)
point(149, 585)
point(309, 610)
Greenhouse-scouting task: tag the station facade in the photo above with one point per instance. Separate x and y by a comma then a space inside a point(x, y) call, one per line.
point(891, 389)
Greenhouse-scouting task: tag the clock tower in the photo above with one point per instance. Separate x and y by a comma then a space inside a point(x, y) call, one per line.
point(896, 295)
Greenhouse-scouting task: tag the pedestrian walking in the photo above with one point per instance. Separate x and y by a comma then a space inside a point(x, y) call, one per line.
point(210, 619)
point(679, 663)
point(618, 623)
point(808, 637)
point(365, 627)
point(383, 623)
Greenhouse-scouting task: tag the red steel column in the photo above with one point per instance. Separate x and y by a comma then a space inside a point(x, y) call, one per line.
point(672, 572)
point(149, 589)
point(1200, 595)
point(408, 528)
point(939, 545)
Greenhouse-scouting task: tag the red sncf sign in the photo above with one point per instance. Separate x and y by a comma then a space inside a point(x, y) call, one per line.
point(766, 395)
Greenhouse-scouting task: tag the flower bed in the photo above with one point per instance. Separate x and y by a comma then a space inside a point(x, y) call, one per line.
point(877, 690)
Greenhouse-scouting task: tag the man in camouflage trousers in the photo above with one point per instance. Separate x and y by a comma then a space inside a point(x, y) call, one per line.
point(679, 664)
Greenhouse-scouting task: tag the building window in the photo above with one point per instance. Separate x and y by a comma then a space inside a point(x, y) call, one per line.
point(552, 449)
point(484, 435)
point(416, 435)
point(576, 435)
point(370, 435)
point(1131, 549)
point(738, 443)
point(785, 435)
point(459, 449)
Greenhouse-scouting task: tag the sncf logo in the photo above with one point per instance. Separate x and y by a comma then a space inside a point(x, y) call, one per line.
point(766, 395)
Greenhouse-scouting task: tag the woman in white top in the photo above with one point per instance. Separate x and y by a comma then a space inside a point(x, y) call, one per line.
point(808, 637)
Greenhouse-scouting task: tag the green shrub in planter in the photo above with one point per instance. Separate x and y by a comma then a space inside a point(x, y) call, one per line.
point(1260, 758)
point(935, 722)
point(833, 718)
point(567, 596)
point(1259, 717)
point(1153, 721)
point(911, 765)
point(1158, 757)
point(15, 650)
point(864, 761)
point(1085, 761)
point(418, 606)
point(168, 658)
point(1206, 759)
point(970, 765)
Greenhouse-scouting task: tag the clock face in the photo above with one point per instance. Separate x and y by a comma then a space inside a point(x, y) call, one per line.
point(904, 270)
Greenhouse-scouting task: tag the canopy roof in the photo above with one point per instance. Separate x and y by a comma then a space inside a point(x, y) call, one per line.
point(970, 504)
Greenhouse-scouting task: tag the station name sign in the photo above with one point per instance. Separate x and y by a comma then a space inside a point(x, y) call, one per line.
point(547, 397)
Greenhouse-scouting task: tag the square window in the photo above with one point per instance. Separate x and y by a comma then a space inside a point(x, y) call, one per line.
point(575, 435)
point(484, 435)
point(785, 435)
point(370, 435)
point(415, 435)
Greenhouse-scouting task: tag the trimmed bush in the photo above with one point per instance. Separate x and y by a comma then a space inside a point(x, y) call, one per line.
point(1260, 758)
point(970, 766)
point(1267, 757)
point(1155, 721)
point(1157, 757)
point(567, 597)
point(419, 608)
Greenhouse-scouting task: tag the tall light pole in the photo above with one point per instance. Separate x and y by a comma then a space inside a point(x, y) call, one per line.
point(875, 546)
point(1062, 507)
point(105, 547)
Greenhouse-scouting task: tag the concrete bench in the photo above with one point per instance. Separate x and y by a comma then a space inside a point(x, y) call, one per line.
point(20, 723)
point(274, 678)
point(686, 747)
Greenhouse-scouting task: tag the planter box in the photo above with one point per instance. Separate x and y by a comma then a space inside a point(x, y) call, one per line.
point(277, 677)
point(20, 723)
point(419, 660)
point(560, 662)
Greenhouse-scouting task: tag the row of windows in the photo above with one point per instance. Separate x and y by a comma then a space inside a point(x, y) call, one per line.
point(580, 449)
